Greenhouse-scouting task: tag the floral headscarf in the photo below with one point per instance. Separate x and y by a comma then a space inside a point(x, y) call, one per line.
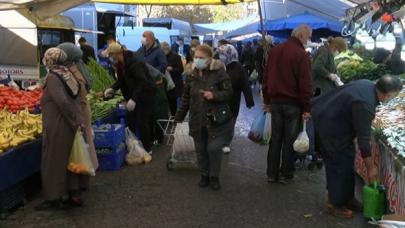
point(228, 54)
point(53, 59)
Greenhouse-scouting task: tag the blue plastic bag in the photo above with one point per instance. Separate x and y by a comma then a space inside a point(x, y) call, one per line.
point(257, 128)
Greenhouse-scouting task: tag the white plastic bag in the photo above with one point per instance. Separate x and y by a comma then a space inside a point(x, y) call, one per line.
point(170, 84)
point(301, 144)
point(267, 129)
point(79, 159)
point(136, 153)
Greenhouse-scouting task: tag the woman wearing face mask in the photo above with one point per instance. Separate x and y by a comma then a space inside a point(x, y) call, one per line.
point(206, 96)
point(323, 65)
point(240, 83)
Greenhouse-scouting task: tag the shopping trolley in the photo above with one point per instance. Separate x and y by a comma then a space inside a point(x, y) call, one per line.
point(182, 144)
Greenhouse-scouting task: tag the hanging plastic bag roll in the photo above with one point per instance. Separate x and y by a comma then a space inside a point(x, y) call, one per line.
point(301, 144)
point(79, 159)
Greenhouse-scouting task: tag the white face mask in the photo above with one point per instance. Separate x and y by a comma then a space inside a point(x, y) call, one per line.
point(143, 40)
point(200, 63)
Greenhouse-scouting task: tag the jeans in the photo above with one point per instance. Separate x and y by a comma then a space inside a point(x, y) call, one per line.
point(340, 176)
point(285, 125)
point(209, 153)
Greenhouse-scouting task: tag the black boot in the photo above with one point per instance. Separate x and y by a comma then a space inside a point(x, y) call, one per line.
point(204, 182)
point(215, 185)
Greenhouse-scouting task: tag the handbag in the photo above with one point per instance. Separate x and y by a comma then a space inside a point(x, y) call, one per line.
point(220, 114)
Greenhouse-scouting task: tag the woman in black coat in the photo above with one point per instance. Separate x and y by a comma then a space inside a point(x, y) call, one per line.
point(240, 84)
point(175, 68)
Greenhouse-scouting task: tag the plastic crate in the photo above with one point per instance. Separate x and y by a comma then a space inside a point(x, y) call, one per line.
point(120, 111)
point(113, 160)
point(12, 197)
point(110, 137)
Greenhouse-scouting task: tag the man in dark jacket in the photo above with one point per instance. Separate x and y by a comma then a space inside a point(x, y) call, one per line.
point(287, 88)
point(247, 58)
point(175, 68)
point(340, 117)
point(88, 51)
point(151, 53)
point(138, 89)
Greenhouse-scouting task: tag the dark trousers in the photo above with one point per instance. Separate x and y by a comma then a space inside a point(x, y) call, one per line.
point(340, 176)
point(173, 105)
point(285, 126)
point(209, 153)
point(140, 119)
point(229, 137)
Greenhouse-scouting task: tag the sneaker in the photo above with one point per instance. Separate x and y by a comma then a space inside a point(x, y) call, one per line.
point(215, 185)
point(285, 180)
point(226, 150)
point(204, 182)
point(150, 152)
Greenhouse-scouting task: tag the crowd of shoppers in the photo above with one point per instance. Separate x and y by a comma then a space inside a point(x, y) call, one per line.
point(209, 89)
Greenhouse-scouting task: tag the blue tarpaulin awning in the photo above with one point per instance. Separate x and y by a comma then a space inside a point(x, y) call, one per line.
point(202, 29)
point(315, 22)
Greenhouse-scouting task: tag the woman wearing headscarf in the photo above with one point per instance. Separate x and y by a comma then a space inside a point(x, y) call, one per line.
point(240, 84)
point(62, 118)
point(76, 66)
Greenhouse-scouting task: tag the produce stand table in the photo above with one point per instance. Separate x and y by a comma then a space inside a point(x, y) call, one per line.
point(16, 165)
point(391, 168)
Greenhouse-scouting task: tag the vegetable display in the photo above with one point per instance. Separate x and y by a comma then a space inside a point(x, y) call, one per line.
point(16, 129)
point(100, 78)
point(351, 70)
point(14, 100)
point(390, 121)
point(101, 108)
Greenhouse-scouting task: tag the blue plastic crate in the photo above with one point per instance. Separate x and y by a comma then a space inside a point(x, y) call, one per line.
point(113, 160)
point(110, 137)
point(12, 197)
point(120, 111)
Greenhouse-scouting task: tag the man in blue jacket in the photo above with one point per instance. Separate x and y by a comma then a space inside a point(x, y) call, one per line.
point(151, 53)
point(340, 117)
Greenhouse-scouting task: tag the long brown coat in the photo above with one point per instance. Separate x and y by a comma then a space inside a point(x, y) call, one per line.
point(61, 116)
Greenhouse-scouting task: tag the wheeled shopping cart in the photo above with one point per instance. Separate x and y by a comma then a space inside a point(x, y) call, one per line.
point(182, 145)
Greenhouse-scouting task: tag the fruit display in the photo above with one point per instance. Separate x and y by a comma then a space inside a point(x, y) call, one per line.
point(101, 108)
point(18, 128)
point(100, 78)
point(390, 122)
point(16, 100)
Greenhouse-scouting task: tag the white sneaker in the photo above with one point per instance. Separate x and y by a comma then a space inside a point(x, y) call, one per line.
point(150, 152)
point(226, 150)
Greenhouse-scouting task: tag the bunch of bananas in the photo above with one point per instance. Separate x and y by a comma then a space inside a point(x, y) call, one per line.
point(18, 128)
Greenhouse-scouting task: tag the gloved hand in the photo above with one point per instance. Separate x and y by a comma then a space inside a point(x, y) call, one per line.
point(338, 82)
point(108, 93)
point(131, 105)
point(333, 77)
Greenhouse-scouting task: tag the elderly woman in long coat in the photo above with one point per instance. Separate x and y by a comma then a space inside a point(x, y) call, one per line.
point(76, 66)
point(62, 118)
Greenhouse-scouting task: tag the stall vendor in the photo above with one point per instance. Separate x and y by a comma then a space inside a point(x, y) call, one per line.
point(340, 117)
point(8, 81)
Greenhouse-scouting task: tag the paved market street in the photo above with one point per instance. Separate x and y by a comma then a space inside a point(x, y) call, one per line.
point(151, 196)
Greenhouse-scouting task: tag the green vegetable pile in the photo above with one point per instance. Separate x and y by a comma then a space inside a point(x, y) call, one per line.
point(352, 70)
point(100, 78)
point(101, 108)
point(347, 55)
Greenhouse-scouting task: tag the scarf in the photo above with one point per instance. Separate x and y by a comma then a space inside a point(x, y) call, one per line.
point(53, 59)
point(228, 54)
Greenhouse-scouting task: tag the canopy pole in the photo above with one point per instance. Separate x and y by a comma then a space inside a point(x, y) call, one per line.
point(259, 5)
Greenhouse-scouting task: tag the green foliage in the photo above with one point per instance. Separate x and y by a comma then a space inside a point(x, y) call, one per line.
point(100, 78)
point(354, 70)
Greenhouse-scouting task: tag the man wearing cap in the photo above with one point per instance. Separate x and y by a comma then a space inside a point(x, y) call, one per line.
point(324, 68)
point(138, 89)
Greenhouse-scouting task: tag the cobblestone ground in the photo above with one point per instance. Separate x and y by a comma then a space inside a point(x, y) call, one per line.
point(151, 196)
